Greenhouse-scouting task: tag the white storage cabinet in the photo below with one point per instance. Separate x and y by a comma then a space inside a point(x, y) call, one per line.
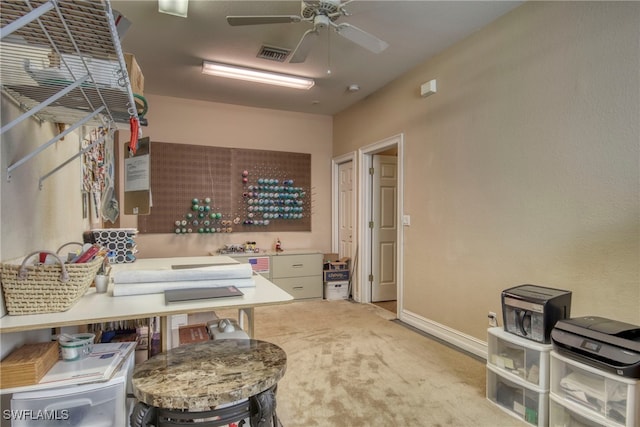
point(580, 391)
point(299, 274)
point(518, 376)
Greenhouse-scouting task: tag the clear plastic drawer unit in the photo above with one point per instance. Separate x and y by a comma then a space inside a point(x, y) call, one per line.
point(599, 396)
point(525, 403)
point(561, 416)
point(520, 358)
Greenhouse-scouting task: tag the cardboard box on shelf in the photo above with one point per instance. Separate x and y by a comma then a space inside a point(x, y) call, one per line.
point(189, 334)
point(337, 263)
point(326, 258)
point(135, 74)
point(28, 364)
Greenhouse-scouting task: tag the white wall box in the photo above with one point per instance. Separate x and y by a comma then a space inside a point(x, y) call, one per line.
point(518, 358)
point(596, 395)
point(518, 398)
point(299, 274)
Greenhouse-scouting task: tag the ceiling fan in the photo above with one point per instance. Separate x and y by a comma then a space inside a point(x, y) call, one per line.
point(321, 14)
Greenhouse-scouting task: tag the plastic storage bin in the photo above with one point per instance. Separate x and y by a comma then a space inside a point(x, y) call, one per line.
point(96, 404)
point(561, 416)
point(79, 406)
point(519, 358)
point(336, 290)
point(522, 401)
point(598, 396)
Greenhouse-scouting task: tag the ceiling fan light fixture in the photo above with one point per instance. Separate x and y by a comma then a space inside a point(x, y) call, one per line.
point(257, 76)
point(174, 7)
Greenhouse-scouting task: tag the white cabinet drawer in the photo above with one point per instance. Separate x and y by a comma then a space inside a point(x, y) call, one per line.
point(80, 406)
point(518, 357)
point(563, 416)
point(526, 403)
point(296, 266)
point(301, 287)
point(607, 399)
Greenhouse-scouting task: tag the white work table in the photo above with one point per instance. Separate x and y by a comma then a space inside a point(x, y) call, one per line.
point(96, 308)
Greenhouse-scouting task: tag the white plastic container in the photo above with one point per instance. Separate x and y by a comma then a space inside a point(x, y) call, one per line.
point(336, 290)
point(519, 358)
point(601, 397)
point(97, 404)
point(518, 398)
point(76, 346)
point(561, 416)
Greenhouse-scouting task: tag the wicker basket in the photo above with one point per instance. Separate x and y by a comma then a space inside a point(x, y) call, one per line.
point(46, 288)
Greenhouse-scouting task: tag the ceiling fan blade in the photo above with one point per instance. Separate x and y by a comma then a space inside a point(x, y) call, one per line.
point(305, 44)
point(361, 37)
point(262, 19)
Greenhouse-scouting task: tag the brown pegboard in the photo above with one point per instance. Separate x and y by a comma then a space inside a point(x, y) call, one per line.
point(181, 173)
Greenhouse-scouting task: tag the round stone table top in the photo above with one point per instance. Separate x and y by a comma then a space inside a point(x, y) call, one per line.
point(201, 376)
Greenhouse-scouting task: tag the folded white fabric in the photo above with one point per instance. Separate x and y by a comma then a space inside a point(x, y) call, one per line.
point(216, 272)
point(585, 388)
point(123, 289)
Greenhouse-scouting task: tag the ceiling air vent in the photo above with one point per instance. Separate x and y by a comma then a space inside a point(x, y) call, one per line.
point(271, 53)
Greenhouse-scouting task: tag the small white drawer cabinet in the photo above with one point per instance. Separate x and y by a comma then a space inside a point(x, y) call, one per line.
point(582, 395)
point(518, 376)
point(299, 274)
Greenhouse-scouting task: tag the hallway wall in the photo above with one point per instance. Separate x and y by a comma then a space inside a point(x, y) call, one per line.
point(522, 168)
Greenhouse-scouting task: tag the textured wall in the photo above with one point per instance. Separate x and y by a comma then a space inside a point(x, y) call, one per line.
point(523, 167)
point(183, 121)
point(32, 218)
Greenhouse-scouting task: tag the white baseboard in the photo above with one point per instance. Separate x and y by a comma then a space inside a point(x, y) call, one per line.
point(451, 336)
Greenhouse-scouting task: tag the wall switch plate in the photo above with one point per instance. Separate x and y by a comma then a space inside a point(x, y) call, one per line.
point(406, 220)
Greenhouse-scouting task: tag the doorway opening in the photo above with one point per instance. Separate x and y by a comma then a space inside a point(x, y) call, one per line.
point(380, 236)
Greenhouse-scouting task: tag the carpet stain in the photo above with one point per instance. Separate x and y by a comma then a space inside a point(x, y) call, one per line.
point(349, 366)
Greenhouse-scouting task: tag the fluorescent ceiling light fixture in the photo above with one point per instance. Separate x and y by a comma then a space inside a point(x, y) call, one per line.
point(251, 75)
point(174, 7)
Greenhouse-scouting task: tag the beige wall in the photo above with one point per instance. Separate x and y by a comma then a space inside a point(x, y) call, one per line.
point(32, 219)
point(523, 167)
point(38, 219)
point(184, 121)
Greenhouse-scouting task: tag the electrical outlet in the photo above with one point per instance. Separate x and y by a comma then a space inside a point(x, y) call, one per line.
point(493, 319)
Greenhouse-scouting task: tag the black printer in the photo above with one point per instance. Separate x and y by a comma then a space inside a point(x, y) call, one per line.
point(605, 344)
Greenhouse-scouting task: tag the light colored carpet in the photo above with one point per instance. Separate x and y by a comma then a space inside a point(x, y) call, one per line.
point(348, 364)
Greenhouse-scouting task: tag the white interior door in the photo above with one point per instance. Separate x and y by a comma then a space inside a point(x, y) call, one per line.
point(345, 209)
point(384, 228)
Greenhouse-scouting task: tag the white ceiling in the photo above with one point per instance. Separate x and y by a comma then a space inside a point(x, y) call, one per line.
point(170, 49)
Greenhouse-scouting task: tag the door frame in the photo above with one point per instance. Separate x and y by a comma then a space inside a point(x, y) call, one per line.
point(365, 161)
point(335, 195)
